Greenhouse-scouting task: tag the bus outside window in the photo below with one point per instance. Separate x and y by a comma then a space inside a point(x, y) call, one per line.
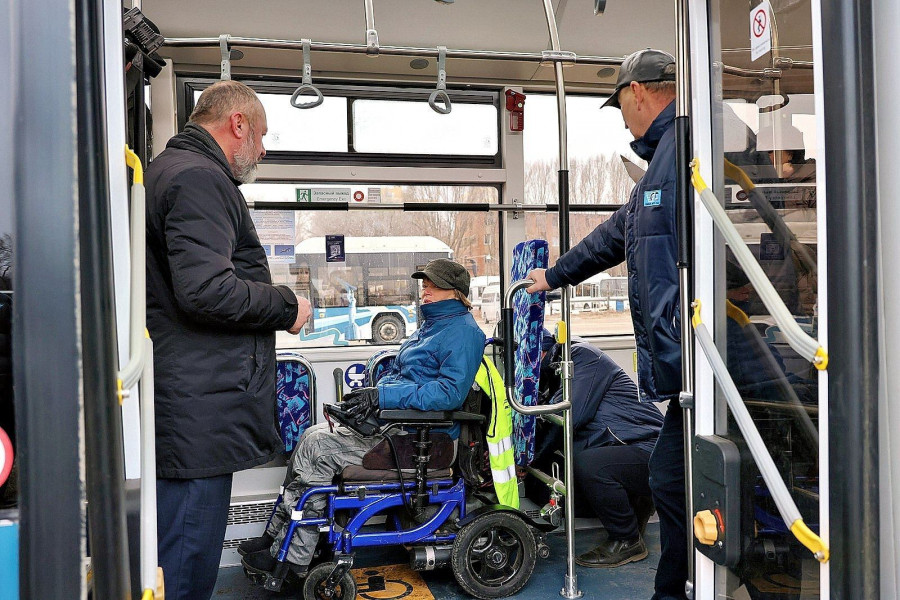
point(369, 296)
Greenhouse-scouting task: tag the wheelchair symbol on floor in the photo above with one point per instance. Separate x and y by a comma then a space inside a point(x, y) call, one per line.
point(377, 587)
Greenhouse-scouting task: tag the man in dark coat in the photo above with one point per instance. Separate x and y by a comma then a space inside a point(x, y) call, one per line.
point(643, 234)
point(614, 435)
point(212, 313)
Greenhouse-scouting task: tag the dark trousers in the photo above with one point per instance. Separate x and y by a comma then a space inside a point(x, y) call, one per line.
point(608, 480)
point(191, 520)
point(667, 485)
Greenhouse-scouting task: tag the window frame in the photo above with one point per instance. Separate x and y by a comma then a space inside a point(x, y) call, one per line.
point(186, 85)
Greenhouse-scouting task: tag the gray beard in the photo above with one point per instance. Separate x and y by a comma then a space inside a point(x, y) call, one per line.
point(245, 164)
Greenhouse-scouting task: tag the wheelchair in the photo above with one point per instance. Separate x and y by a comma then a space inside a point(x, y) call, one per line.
point(436, 503)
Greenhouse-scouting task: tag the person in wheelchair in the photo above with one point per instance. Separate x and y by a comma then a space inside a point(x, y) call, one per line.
point(433, 371)
point(614, 435)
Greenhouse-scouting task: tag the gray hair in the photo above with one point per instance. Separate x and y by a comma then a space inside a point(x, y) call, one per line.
point(221, 99)
point(663, 88)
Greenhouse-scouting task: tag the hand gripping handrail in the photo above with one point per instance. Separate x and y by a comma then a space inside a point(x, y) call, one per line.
point(306, 85)
point(129, 375)
point(805, 345)
point(786, 506)
point(440, 90)
point(140, 368)
point(770, 216)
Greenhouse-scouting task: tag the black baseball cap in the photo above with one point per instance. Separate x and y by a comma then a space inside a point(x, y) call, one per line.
point(445, 274)
point(643, 66)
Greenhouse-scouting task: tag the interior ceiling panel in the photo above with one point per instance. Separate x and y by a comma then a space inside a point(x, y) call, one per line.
point(503, 25)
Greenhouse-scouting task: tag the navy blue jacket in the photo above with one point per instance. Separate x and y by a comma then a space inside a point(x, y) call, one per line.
point(643, 234)
point(606, 409)
point(436, 366)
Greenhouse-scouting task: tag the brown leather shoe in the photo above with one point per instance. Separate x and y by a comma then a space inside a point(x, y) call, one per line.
point(614, 553)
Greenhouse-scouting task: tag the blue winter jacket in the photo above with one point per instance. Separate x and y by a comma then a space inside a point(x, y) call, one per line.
point(606, 410)
point(436, 366)
point(643, 234)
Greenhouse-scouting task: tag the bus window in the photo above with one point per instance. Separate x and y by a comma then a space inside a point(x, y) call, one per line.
point(596, 176)
point(369, 297)
point(471, 129)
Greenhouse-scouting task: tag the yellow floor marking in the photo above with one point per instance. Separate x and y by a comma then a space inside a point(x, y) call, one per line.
point(390, 582)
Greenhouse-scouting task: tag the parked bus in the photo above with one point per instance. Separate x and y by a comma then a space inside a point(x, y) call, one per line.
point(367, 296)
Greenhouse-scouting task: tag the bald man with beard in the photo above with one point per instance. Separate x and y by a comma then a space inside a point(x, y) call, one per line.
point(212, 313)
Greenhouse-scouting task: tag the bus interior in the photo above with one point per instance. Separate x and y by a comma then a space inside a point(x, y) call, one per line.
point(401, 131)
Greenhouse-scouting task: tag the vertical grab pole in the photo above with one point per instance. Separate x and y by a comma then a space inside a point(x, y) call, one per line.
point(684, 224)
point(570, 588)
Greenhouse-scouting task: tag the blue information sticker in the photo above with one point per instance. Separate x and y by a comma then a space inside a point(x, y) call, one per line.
point(334, 248)
point(652, 197)
point(355, 375)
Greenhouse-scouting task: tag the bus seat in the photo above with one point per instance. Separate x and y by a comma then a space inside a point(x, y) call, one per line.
point(377, 365)
point(527, 329)
point(295, 399)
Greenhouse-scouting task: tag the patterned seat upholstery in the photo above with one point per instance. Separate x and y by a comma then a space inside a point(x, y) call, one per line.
point(527, 327)
point(294, 400)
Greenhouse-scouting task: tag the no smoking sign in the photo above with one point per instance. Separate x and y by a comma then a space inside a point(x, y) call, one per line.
point(760, 30)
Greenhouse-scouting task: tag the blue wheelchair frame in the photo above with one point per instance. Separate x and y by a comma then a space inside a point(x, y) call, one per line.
point(368, 499)
point(449, 494)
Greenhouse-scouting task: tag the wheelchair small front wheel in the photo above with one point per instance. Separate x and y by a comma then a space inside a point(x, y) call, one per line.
point(314, 586)
point(494, 555)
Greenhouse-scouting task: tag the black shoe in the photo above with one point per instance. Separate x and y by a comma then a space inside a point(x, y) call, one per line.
point(614, 553)
point(260, 562)
point(263, 542)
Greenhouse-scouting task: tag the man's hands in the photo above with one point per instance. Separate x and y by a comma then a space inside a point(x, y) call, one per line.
point(304, 311)
point(361, 403)
point(539, 277)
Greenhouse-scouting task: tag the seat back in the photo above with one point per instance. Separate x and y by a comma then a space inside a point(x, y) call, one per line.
point(471, 449)
point(295, 401)
point(527, 329)
point(377, 365)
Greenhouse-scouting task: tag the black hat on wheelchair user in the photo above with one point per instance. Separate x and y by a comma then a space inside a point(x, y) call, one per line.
point(445, 274)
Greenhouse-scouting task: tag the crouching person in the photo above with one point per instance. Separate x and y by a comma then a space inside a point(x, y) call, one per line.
point(614, 435)
point(433, 371)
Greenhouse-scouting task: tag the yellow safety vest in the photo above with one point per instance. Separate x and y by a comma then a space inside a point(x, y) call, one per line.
point(499, 435)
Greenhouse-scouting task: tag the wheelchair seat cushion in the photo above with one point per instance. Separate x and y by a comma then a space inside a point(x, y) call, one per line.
point(356, 473)
point(381, 458)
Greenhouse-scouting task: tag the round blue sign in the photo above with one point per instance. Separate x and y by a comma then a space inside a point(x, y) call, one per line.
point(355, 375)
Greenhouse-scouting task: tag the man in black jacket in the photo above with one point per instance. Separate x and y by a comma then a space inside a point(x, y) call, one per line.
point(614, 435)
point(212, 313)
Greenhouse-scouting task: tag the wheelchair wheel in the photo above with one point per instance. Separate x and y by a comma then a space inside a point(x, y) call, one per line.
point(494, 555)
point(314, 587)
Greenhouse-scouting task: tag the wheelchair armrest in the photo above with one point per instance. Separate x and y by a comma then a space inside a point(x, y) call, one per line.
point(428, 417)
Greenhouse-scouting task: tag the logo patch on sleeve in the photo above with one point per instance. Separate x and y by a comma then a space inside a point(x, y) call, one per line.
point(652, 197)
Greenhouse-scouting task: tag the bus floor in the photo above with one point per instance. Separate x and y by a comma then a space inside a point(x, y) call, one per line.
point(633, 581)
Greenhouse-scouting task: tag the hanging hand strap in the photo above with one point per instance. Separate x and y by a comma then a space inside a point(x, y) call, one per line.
point(440, 92)
point(306, 85)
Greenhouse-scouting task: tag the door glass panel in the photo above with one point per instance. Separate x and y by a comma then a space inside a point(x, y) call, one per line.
point(764, 129)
